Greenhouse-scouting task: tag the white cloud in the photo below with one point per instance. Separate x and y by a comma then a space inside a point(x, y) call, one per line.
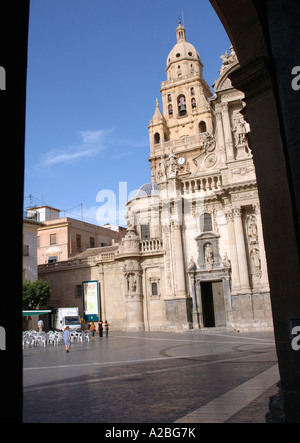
point(92, 142)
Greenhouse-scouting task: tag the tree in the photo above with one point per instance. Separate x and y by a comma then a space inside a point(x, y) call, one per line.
point(35, 294)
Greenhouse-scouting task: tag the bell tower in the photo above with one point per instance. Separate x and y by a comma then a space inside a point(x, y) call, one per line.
point(187, 111)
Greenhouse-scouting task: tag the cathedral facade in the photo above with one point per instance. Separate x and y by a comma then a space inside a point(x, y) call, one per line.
point(193, 255)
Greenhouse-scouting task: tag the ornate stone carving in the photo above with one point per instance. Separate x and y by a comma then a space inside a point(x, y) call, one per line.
point(162, 173)
point(240, 131)
point(172, 165)
point(192, 265)
point(226, 261)
point(228, 59)
point(131, 283)
point(252, 230)
point(237, 212)
point(166, 240)
point(210, 160)
point(208, 141)
point(131, 241)
point(209, 256)
point(255, 264)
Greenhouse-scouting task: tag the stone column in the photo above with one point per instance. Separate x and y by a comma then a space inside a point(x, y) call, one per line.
point(228, 132)
point(235, 271)
point(180, 290)
point(264, 268)
point(134, 299)
point(196, 324)
point(102, 291)
point(220, 135)
point(241, 249)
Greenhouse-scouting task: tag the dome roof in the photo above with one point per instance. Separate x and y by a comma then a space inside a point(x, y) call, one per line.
point(146, 190)
point(183, 50)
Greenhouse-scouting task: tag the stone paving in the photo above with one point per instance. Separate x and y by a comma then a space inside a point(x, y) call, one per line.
point(152, 377)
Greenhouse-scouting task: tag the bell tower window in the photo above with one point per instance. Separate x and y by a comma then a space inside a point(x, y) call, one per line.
point(156, 138)
point(202, 127)
point(181, 105)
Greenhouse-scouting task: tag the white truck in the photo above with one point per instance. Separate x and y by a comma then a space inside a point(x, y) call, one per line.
point(67, 317)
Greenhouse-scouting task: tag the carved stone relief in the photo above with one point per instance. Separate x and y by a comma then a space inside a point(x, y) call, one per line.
point(254, 248)
point(168, 270)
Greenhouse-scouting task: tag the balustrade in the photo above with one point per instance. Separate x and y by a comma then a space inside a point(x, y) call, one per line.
point(211, 183)
point(151, 244)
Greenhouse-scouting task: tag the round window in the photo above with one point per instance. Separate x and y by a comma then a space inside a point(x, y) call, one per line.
point(178, 54)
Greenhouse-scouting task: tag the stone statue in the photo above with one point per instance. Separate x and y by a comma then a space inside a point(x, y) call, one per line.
point(131, 283)
point(208, 141)
point(240, 132)
point(226, 261)
point(252, 230)
point(192, 265)
point(172, 165)
point(209, 256)
point(162, 168)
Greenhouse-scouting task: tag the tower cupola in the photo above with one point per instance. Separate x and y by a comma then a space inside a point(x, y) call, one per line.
point(183, 58)
point(180, 32)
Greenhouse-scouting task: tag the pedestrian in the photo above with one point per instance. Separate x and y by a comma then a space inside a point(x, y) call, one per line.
point(82, 321)
point(40, 325)
point(67, 338)
point(106, 325)
point(100, 328)
point(92, 329)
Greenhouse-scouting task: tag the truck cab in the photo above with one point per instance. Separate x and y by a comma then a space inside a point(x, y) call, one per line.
point(67, 317)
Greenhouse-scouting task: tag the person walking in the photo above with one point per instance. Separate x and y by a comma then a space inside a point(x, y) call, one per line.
point(67, 338)
point(100, 328)
point(106, 326)
point(40, 325)
point(92, 329)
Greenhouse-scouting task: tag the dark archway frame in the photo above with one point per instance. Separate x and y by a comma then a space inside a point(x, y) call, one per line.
point(265, 36)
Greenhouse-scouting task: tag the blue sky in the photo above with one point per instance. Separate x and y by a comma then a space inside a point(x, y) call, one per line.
point(94, 71)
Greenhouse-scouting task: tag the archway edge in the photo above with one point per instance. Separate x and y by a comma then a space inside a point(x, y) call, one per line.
point(255, 30)
point(244, 28)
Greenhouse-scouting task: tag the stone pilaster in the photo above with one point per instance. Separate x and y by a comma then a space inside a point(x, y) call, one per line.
point(241, 249)
point(228, 132)
point(235, 271)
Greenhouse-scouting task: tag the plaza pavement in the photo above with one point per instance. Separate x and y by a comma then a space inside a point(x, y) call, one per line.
point(208, 376)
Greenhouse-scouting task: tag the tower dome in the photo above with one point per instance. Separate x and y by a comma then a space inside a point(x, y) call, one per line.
point(183, 50)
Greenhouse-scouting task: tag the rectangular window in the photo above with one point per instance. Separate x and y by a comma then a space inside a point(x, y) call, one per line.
point(52, 259)
point(154, 288)
point(92, 242)
point(52, 239)
point(78, 242)
point(145, 232)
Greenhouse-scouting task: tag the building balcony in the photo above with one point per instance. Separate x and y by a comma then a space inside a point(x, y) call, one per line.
point(151, 245)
